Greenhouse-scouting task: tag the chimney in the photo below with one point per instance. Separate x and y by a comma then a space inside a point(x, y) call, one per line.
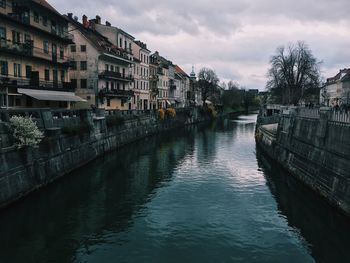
point(108, 24)
point(70, 15)
point(85, 21)
point(98, 20)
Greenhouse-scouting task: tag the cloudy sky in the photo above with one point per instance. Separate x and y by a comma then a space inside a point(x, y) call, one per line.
point(234, 37)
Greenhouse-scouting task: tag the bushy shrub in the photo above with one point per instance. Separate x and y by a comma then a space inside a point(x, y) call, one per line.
point(25, 131)
point(161, 114)
point(113, 121)
point(171, 112)
point(77, 129)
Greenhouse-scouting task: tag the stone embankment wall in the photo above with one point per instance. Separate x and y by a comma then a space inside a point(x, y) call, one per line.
point(25, 170)
point(314, 146)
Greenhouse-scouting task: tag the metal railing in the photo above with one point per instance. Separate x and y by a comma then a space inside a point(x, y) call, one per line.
point(116, 75)
point(35, 84)
point(340, 116)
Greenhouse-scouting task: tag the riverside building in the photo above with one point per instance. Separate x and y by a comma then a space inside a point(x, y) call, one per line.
point(33, 56)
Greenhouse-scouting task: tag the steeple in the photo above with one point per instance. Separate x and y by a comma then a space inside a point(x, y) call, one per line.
point(193, 74)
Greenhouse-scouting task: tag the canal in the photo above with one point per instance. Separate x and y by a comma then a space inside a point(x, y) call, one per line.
point(198, 194)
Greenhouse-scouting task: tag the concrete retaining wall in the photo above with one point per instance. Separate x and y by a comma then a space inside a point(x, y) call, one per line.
point(24, 170)
point(316, 151)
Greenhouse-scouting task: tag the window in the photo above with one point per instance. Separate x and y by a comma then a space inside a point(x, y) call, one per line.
point(108, 102)
point(83, 83)
point(16, 37)
point(47, 74)
point(73, 48)
point(45, 20)
point(17, 70)
point(107, 85)
point(55, 75)
point(112, 85)
point(63, 74)
point(112, 68)
point(120, 43)
point(83, 65)
point(46, 46)
point(73, 83)
point(28, 71)
point(36, 17)
point(106, 67)
point(4, 68)
point(83, 48)
point(73, 65)
point(2, 33)
point(61, 52)
point(3, 3)
point(27, 38)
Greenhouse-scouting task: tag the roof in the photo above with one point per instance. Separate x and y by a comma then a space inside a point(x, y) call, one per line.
point(101, 42)
point(180, 71)
point(46, 5)
point(340, 76)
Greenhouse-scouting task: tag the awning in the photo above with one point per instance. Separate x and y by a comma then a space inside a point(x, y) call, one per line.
point(50, 95)
point(168, 102)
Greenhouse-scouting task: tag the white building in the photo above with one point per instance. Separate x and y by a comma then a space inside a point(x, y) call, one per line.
point(141, 86)
point(336, 90)
point(101, 71)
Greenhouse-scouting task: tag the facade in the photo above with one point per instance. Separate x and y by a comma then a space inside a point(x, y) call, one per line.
point(153, 82)
point(33, 56)
point(141, 85)
point(336, 90)
point(163, 80)
point(101, 70)
point(182, 86)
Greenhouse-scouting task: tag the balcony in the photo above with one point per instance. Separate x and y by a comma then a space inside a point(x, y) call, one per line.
point(32, 83)
point(23, 49)
point(118, 93)
point(116, 75)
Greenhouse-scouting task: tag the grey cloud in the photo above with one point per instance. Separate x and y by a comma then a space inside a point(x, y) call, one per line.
point(236, 37)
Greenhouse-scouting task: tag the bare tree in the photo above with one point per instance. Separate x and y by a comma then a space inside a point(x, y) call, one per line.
point(207, 83)
point(293, 70)
point(233, 85)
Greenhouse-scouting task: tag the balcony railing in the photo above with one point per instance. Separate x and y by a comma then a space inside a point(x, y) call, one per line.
point(12, 82)
point(25, 49)
point(117, 93)
point(116, 75)
point(28, 49)
point(24, 18)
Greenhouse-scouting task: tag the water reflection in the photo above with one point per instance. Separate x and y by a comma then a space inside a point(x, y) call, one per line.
point(201, 194)
point(325, 232)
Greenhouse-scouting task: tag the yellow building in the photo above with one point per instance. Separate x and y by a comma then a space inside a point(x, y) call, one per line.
point(33, 56)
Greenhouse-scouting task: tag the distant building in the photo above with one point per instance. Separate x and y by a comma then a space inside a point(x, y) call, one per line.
point(141, 86)
point(182, 86)
point(336, 90)
point(101, 69)
point(163, 80)
point(33, 56)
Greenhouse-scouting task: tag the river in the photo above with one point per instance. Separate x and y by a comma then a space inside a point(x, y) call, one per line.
point(198, 194)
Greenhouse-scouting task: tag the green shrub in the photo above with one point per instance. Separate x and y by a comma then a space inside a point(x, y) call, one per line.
point(25, 131)
point(113, 121)
point(77, 129)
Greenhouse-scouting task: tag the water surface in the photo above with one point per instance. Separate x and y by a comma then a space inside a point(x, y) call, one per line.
point(200, 194)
